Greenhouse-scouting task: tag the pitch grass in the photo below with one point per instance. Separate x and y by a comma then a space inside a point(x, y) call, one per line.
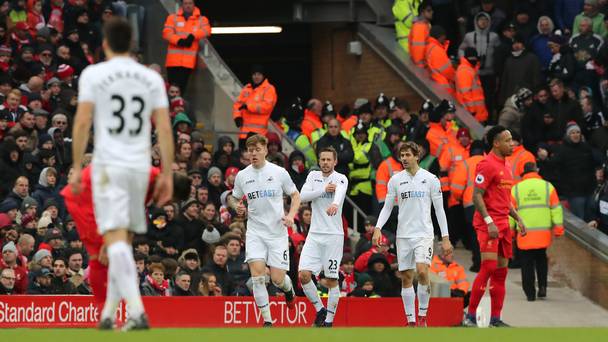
point(310, 335)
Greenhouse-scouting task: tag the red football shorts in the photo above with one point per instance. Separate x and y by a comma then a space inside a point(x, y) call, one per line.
point(502, 246)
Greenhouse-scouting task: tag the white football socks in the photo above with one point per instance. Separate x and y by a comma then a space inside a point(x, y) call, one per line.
point(332, 303)
point(409, 303)
point(310, 290)
point(287, 286)
point(123, 271)
point(260, 294)
point(112, 298)
point(424, 296)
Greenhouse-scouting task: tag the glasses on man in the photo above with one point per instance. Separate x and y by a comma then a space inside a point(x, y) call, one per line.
point(9, 278)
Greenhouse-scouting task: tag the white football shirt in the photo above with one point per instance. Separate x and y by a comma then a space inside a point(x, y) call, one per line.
point(124, 94)
point(314, 191)
point(414, 197)
point(263, 189)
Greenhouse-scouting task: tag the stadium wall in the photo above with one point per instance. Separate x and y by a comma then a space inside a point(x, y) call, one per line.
point(190, 312)
point(342, 77)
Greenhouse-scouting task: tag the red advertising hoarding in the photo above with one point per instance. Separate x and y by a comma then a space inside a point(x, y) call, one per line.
point(189, 312)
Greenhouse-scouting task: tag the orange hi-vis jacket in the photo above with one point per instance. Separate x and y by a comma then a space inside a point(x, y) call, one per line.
point(348, 124)
point(517, 160)
point(538, 205)
point(454, 273)
point(260, 102)
point(469, 91)
point(462, 182)
point(176, 28)
point(386, 170)
point(418, 40)
point(310, 123)
point(439, 64)
point(438, 137)
point(451, 156)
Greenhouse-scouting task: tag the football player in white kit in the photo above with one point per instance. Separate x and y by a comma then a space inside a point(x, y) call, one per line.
point(120, 96)
point(263, 184)
point(322, 250)
point(415, 189)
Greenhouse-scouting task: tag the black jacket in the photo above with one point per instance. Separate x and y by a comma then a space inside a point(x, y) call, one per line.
point(178, 292)
point(193, 232)
point(224, 278)
point(565, 110)
point(576, 164)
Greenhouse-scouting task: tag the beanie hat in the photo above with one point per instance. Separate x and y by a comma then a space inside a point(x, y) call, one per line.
point(41, 254)
point(4, 220)
point(27, 203)
point(50, 202)
point(8, 205)
point(53, 234)
point(463, 132)
point(53, 80)
point(64, 71)
point(9, 247)
point(257, 68)
point(177, 101)
point(439, 111)
point(571, 126)
point(591, 2)
point(189, 203)
point(214, 170)
point(181, 117)
point(557, 39)
point(25, 219)
point(231, 171)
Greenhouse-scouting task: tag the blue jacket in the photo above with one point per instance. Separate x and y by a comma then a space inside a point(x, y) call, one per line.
point(565, 11)
point(538, 45)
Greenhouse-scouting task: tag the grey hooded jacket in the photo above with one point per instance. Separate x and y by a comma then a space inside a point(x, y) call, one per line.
point(484, 41)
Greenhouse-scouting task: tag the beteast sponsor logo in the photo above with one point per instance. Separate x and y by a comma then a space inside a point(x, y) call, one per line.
point(239, 312)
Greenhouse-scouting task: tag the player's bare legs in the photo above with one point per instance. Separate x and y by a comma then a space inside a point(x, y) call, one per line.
point(122, 280)
point(325, 317)
point(408, 295)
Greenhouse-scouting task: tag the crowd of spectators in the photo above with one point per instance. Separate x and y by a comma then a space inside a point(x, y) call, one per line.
point(196, 247)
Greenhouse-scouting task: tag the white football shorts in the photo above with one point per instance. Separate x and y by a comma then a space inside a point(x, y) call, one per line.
point(274, 251)
point(119, 196)
point(322, 252)
point(414, 251)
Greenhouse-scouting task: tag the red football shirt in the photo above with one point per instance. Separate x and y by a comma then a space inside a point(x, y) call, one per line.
point(81, 208)
point(493, 175)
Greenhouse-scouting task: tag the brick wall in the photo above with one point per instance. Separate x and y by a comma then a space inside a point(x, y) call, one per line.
point(342, 78)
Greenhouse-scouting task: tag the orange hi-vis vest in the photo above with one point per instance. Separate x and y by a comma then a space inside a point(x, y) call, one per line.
point(348, 124)
point(469, 92)
point(310, 123)
point(451, 156)
point(438, 137)
point(454, 273)
point(386, 170)
point(517, 160)
point(260, 102)
point(462, 182)
point(418, 40)
point(178, 27)
point(439, 64)
point(538, 205)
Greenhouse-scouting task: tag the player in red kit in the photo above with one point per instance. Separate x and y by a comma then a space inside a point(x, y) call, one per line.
point(492, 199)
point(80, 207)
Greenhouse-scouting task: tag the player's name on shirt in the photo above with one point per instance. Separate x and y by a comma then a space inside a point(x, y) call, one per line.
point(122, 75)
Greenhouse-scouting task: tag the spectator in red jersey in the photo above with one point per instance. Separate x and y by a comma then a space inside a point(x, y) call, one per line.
point(10, 260)
point(493, 206)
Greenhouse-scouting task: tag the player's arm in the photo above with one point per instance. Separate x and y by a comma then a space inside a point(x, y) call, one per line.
point(385, 213)
point(239, 196)
point(520, 222)
point(290, 188)
point(80, 137)
point(437, 199)
point(339, 196)
point(164, 184)
point(308, 192)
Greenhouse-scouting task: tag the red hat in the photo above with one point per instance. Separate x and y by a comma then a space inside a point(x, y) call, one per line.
point(4, 220)
point(231, 171)
point(22, 25)
point(273, 138)
point(64, 71)
point(25, 219)
point(177, 101)
point(385, 241)
point(463, 132)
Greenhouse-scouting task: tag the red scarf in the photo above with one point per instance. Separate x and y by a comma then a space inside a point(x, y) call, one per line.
point(160, 288)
